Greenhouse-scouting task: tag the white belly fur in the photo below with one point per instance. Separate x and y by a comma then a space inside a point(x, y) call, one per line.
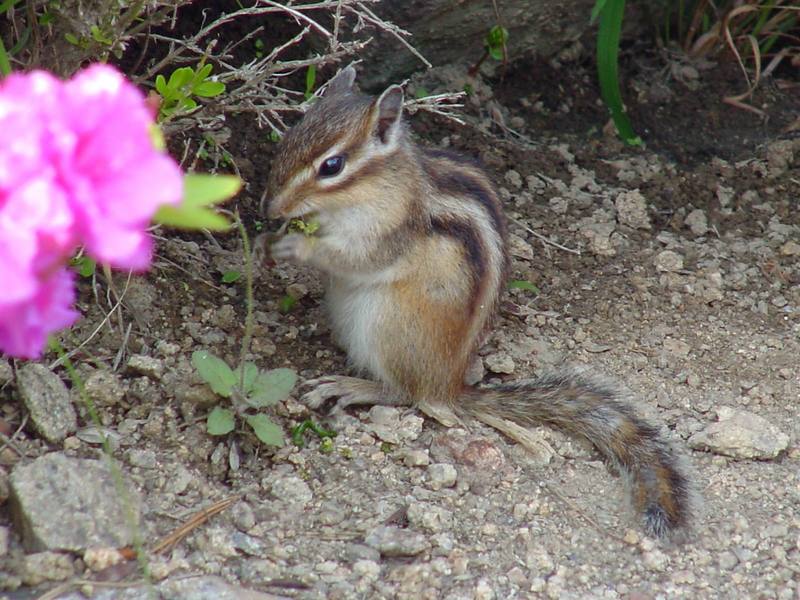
point(356, 311)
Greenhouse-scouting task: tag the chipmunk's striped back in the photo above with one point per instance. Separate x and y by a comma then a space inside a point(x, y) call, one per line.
point(414, 245)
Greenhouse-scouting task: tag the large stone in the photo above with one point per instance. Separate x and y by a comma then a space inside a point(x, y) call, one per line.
point(741, 434)
point(62, 503)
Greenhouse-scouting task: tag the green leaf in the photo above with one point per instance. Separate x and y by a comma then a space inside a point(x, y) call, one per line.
point(274, 136)
point(215, 372)
point(299, 430)
point(202, 189)
point(608, 37)
point(231, 276)
point(84, 266)
point(271, 387)
point(5, 63)
point(72, 39)
point(266, 431)
point(522, 284)
point(286, 303)
point(180, 77)
point(496, 41)
point(183, 217)
point(598, 7)
point(220, 421)
point(250, 375)
point(311, 79)
point(209, 89)
point(161, 85)
point(202, 73)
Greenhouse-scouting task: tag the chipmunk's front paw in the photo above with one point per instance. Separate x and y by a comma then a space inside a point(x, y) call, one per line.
point(294, 247)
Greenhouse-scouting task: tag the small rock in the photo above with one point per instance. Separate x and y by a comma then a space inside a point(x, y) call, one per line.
point(389, 427)
point(367, 568)
point(656, 560)
point(677, 347)
point(104, 388)
point(475, 372)
point(99, 559)
point(243, 516)
point(148, 366)
point(46, 566)
point(416, 458)
point(61, 503)
point(392, 541)
point(741, 434)
point(500, 363)
point(429, 517)
point(204, 587)
point(144, 459)
point(697, 222)
point(600, 238)
point(47, 400)
point(513, 178)
point(668, 261)
point(292, 490)
point(790, 248)
point(4, 533)
point(441, 475)
point(631, 208)
point(297, 290)
point(727, 560)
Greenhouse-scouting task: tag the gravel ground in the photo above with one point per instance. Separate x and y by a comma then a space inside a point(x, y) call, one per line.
point(686, 291)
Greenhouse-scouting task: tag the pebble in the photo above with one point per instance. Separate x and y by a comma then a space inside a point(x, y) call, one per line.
point(386, 423)
point(429, 517)
point(48, 402)
point(697, 222)
point(46, 566)
point(4, 535)
point(292, 490)
point(500, 363)
point(62, 503)
point(741, 434)
point(668, 261)
point(99, 559)
point(790, 248)
point(243, 516)
point(514, 179)
point(441, 475)
point(631, 208)
point(416, 458)
point(104, 388)
point(393, 541)
point(148, 366)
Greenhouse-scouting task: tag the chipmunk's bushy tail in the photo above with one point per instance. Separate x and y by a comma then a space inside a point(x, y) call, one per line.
point(656, 474)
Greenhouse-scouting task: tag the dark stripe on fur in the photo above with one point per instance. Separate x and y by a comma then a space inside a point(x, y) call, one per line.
point(466, 235)
point(456, 182)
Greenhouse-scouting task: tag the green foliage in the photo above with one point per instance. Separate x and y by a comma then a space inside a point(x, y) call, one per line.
point(250, 389)
point(311, 80)
point(5, 61)
point(178, 92)
point(522, 284)
point(231, 276)
point(496, 41)
point(221, 421)
point(299, 431)
point(610, 13)
point(298, 225)
point(286, 303)
point(83, 266)
point(274, 136)
point(200, 191)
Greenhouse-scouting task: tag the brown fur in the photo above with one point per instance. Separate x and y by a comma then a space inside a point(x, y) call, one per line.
point(414, 243)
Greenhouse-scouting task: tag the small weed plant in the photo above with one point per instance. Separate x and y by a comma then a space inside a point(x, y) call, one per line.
point(178, 93)
point(249, 390)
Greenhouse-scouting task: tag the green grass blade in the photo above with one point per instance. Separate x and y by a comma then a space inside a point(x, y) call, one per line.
point(608, 37)
point(5, 64)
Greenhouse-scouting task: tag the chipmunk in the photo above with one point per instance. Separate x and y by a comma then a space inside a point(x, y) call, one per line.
point(414, 243)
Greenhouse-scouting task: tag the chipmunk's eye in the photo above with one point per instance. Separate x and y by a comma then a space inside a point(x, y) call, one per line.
point(331, 166)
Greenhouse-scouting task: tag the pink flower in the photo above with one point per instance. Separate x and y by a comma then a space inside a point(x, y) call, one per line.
point(24, 326)
point(77, 167)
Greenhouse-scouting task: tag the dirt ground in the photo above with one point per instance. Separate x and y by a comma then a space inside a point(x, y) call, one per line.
point(713, 323)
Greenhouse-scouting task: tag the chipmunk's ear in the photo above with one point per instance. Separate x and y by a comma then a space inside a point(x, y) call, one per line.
point(389, 109)
point(342, 82)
